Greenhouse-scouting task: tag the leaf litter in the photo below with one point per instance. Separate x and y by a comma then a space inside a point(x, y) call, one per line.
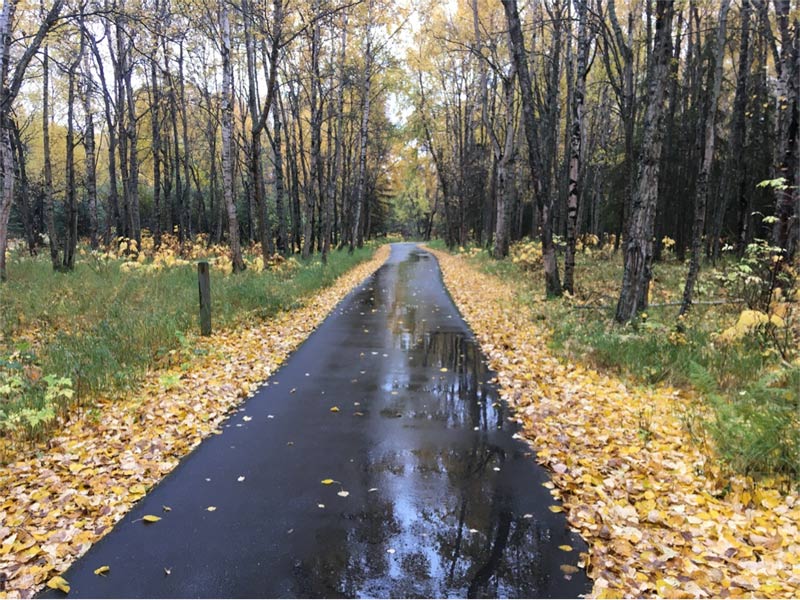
point(659, 515)
point(50, 515)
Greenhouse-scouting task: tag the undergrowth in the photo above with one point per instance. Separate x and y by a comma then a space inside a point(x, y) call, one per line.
point(66, 338)
point(747, 376)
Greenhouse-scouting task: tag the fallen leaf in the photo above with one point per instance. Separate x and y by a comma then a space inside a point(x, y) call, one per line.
point(58, 583)
point(151, 519)
point(334, 409)
point(327, 481)
point(102, 570)
point(556, 509)
point(569, 569)
point(565, 548)
point(343, 494)
point(211, 508)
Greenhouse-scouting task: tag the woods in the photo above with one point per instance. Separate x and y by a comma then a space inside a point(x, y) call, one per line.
point(156, 114)
point(628, 120)
point(602, 277)
point(553, 120)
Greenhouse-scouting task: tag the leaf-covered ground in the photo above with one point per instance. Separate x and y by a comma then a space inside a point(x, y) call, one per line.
point(659, 516)
point(57, 501)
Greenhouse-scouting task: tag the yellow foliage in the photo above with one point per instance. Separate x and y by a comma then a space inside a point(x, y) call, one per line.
point(750, 321)
point(658, 515)
point(527, 254)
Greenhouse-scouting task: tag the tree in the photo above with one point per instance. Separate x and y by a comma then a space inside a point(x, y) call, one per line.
point(576, 141)
point(639, 243)
point(227, 139)
point(11, 78)
point(552, 283)
point(701, 193)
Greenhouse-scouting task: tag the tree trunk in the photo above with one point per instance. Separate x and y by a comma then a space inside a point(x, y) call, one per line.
point(701, 192)
point(313, 193)
point(575, 148)
point(49, 212)
point(91, 167)
point(227, 140)
point(186, 201)
point(786, 130)
point(23, 190)
point(155, 121)
point(552, 283)
point(71, 228)
point(277, 151)
point(639, 245)
point(505, 169)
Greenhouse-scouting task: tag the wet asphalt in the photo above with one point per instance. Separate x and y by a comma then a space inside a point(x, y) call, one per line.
point(441, 500)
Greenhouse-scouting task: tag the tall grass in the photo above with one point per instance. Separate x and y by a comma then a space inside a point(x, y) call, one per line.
point(102, 326)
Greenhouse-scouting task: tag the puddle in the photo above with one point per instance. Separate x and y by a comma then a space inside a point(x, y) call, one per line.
point(453, 517)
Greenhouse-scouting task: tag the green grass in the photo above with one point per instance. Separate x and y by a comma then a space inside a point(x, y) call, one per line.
point(102, 327)
point(752, 391)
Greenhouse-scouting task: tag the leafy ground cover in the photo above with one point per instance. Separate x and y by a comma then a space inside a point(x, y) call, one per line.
point(737, 348)
point(58, 498)
point(68, 338)
point(639, 479)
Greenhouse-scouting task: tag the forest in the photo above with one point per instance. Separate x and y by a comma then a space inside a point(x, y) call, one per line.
point(640, 144)
point(609, 189)
point(300, 127)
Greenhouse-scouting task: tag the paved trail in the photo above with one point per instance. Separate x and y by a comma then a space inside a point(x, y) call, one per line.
point(441, 500)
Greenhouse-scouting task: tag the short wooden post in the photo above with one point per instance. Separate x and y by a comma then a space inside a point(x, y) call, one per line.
point(204, 285)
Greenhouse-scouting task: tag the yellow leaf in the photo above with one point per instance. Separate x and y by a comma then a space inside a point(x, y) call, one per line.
point(326, 481)
point(334, 409)
point(58, 583)
point(151, 519)
point(569, 569)
point(556, 509)
point(565, 548)
point(102, 570)
point(211, 508)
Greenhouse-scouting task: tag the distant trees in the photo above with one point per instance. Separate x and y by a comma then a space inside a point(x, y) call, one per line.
point(14, 64)
point(265, 122)
point(187, 93)
point(647, 123)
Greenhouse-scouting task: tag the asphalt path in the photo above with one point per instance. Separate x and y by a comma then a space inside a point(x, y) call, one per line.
point(433, 494)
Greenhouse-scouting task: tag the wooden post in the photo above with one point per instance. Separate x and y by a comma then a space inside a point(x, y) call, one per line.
point(204, 285)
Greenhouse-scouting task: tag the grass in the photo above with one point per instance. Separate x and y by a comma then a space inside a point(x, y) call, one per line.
point(68, 337)
point(750, 388)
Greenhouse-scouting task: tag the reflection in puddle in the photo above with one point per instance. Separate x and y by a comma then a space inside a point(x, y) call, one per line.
point(460, 510)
